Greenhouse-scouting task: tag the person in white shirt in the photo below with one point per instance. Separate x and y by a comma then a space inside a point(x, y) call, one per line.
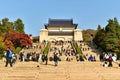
point(4, 56)
point(105, 64)
point(114, 58)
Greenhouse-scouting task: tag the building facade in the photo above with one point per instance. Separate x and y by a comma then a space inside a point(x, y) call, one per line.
point(60, 29)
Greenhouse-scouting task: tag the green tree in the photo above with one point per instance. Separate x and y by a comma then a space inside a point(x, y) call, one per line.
point(99, 28)
point(6, 25)
point(2, 46)
point(10, 26)
point(109, 38)
point(17, 50)
point(99, 37)
point(5, 22)
point(116, 23)
point(111, 28)
point(19, 26)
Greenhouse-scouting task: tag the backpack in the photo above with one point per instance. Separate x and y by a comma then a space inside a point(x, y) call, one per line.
point(10, 54)
point(110, 59)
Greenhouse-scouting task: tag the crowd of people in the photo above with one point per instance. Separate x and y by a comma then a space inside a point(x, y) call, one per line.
point(60, 49)
point(108, 59)
point(68, 51)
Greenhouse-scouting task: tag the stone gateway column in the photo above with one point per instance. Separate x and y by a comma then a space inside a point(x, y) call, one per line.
point(43, 35)
point(78, 35)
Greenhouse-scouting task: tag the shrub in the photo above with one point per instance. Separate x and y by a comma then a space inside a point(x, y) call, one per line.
point(2, 47)
point(17, 50)
point(1, 51)
point(77, 48)
point(46, 49)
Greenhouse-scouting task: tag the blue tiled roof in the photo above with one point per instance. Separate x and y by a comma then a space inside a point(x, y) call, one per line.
point(60, 22)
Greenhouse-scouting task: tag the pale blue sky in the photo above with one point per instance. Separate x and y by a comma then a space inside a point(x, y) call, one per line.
point(35, 13)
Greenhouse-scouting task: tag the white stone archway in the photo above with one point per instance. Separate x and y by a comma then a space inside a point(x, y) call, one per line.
point(52, 39)
point(60, 39)
point(69, 39)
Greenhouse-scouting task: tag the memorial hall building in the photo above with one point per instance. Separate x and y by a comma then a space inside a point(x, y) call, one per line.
point(60, 29)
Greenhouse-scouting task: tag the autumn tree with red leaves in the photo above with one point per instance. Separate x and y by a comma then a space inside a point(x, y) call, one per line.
point(8, 43)
point(18, 39)
point(12, 35)
point(25, 40)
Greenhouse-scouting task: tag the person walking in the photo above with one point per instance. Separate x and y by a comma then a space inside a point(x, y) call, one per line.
point(110, 61)
point(22, 56)
point(56, 59)
point(8, 57)
point(4, 56)
point(46, 59)
point(40, 58)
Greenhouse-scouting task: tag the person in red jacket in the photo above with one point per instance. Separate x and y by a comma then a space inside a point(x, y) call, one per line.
point(110, 61)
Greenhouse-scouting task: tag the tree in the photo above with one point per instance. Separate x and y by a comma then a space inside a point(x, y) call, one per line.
point(109, 38)
point(25, 40)
point(87, 34)
point(99, 37)
point(5, 26)
point(99, 28)
point(8, 43)
point(2, 46)
point(3, 30)
point(10, 26)
point(116, 23)
point(19, 39)
point(19, 26)
point(5, 21)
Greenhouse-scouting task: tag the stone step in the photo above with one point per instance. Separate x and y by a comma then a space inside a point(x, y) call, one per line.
point(66, 70)
point(72, 70)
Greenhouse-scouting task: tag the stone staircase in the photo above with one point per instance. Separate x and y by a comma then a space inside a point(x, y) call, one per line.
point(63, 57)
point(19, 71)
point(72, 70)
point(37, 49)
point(64, 71)
point(91, 51)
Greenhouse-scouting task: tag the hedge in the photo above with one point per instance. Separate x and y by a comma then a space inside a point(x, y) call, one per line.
point(46, 49)
point(77, 48)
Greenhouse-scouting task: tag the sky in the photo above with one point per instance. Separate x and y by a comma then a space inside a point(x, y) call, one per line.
point(35, 13)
